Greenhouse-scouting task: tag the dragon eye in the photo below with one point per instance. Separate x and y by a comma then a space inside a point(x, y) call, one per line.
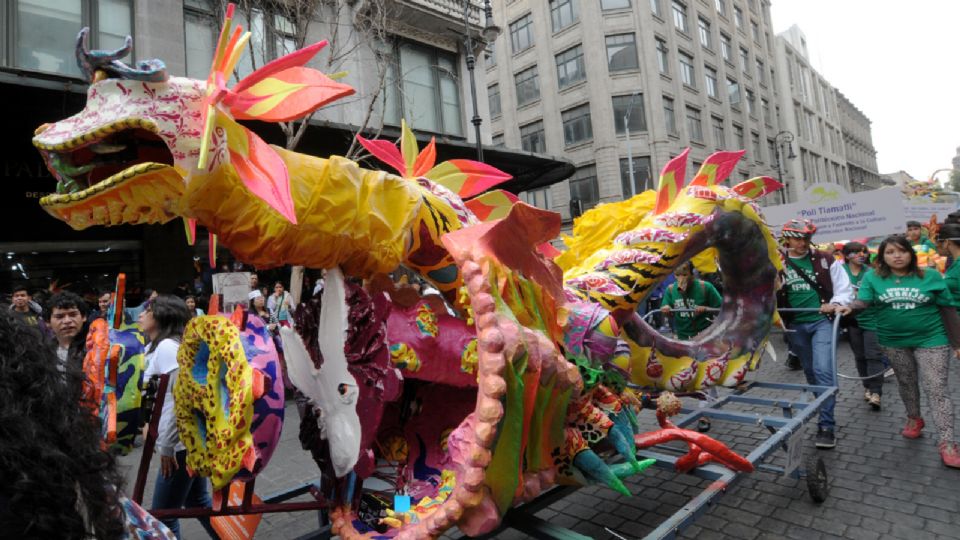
point(342, 388)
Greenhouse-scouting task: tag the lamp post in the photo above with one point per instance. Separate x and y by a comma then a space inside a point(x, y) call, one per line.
point(784, 137)
point(626, 127)
point(490, 33)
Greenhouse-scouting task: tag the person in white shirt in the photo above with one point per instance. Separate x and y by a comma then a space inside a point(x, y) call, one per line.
point(163, 324)
point(280, 305)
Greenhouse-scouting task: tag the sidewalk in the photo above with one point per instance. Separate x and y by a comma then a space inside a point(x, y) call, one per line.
point(882, 485)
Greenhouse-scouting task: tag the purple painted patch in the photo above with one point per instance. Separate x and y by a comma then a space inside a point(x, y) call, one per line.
point(268, 409)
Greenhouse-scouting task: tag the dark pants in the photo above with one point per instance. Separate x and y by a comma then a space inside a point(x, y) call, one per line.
point(179, 490)
point(869, 357)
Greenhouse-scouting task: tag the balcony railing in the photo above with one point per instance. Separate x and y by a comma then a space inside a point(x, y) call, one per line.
point(450, 9)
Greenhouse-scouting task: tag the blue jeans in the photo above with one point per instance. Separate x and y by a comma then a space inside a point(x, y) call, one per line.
point(813, 344)
point(182, 491)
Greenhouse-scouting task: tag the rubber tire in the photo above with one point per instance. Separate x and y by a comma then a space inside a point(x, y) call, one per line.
point(704, 425)
point(818, 483)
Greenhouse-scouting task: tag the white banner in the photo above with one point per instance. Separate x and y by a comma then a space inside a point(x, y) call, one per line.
point(839, 215)
point(234, 286)
point(921, 211)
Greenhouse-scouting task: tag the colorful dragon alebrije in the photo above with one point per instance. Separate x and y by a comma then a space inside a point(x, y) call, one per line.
point(476, 399)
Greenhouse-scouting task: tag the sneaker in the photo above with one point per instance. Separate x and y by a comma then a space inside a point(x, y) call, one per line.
point(825, 438)
point(913, 428)
point(888, 373)
point(875, 401)
point(950, 454)
point(866, 395)
point(793, 362)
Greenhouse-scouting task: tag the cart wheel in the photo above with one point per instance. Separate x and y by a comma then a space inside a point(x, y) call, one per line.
point(703, 425)
point(817, 482)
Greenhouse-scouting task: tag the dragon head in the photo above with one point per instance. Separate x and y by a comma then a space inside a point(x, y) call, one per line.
point(143, 136)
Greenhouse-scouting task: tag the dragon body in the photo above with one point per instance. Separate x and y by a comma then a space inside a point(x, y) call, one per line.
point(474, 411)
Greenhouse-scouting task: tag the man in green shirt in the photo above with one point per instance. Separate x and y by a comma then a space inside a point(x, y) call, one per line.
point(817, 282)
point(689, 293)
point(915, 236)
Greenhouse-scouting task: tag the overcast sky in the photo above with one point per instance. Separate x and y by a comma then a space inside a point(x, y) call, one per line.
point(898, 62)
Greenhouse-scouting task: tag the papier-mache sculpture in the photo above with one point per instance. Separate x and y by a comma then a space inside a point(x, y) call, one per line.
point(512, 380)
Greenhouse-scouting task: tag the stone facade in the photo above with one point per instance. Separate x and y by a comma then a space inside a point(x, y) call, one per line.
point(858, 147)
point(595, 55)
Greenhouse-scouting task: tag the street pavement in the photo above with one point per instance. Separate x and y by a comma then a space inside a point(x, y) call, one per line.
point(882, 485)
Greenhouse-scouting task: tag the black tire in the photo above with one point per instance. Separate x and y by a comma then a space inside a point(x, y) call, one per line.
point(818, 484)
point(703, 425)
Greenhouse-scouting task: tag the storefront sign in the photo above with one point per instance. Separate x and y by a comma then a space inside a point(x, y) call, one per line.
point(839, 215)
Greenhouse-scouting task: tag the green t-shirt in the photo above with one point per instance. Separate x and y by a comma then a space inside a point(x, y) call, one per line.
point(699, 293)
point(952, 277)
point(801, 294)
point(908, 308)
point(866, 319)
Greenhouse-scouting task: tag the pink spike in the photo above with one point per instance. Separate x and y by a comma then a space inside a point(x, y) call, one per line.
point(671, 180)
point(296, 58)
point(725, 163)
point(386, 152)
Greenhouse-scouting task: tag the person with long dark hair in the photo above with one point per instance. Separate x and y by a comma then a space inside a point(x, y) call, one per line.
point(863, 330)
point(163, 324)
point(56, 480)
point(689, 293)
point(919, 330)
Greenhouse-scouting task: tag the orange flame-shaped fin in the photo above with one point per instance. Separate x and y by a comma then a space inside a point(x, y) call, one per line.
point(757, 187)
point(671, 180)
point(716, 168)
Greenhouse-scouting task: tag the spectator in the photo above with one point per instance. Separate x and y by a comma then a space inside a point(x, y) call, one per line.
point(103, 306)
point(23, 306)
point(191, 302)
point(915, 236)
point(862, 329)
point(67, 317)
point(258, 308)
point(917, 326)
point(59, 483)
point(280, 304)
point(815, 281)
point(164, 321)
point(689, 293)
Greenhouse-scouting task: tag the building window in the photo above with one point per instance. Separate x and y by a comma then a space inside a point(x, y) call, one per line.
point(427, 94)
point(761, 71)
point(628, 111)
point(521, 33)
point(745, 61)
point(755, 30)
point(687, 73)
point(528, 86)
point(663, 57)
point(614, 4)
point(694, 125)
point(655, 8)
point(706, 39)
point(680, 17)
point(641, 181)
point(622, 52)
point(719, 134)
point(721, 7)
point(493, 93)
point(584, 187)
point(738, 17)
point(537, 197)
point(563, 13)
point(669, 115)
point(710, 75)
point(738, 137)
point(532, 138)
point(733, 91)
point(46, 31)
point(765, 106)
point(726, 47)
point(498, 140)
point(755, 146)
point(200, 38)
point(576, 125)
point(751, 102)
point(772, 149)
point(570, 68)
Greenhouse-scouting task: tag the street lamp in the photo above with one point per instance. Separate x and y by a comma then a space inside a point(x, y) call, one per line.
point(784, 137)
point(626, 126)
point(489, 33)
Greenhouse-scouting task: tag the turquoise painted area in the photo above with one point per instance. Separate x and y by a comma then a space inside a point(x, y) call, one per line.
point(224, 390)
point(200, 368)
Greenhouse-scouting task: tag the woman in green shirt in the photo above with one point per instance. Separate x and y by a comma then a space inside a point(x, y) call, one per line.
point(914, 315)
point(689, 293)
